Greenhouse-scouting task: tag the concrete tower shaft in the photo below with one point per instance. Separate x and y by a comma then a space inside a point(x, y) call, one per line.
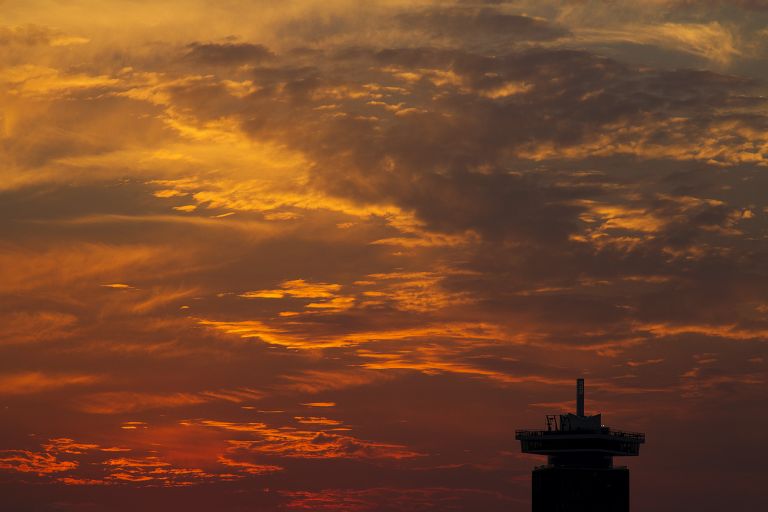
point(580, 397)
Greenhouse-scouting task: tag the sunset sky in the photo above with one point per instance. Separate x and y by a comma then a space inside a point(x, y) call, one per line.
point(327, 255)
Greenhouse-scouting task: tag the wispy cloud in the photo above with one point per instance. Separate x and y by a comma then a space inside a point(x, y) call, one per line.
point(27, 383)
point(119, 402)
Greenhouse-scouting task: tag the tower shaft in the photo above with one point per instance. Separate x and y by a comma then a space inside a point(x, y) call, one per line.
point(580, 397)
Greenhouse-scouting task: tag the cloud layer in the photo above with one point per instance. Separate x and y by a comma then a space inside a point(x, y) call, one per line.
point(328, 256)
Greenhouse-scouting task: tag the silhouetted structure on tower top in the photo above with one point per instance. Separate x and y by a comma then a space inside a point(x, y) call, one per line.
point(580, 475)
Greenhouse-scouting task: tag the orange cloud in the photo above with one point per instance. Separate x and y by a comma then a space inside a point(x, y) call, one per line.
point(117, 402)
point(159, 297)
point(290, 442)
point(731, 331)
point(712, 40)
point(33, 81)
point(370, 499)
point(320, 445)
point(317, 420)
point(34, 462)
point(301, 289)
point(24, 383)
point(417, 291)
point(35, 326)
point(249, 467)
point(320, 404)
point(435, 362)
point(152, 470)
point(47, 461)
point(316, 381)
point(298, 288)
point(285, 336)
point(26, 270)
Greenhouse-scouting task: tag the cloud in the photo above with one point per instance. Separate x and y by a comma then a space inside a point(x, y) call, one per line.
point(317, 381)
point(63, 455)
point(27, 383)
point(228, 54)
point(27, 270)
point(32, 462)
point(317, 420)
point(120, 402)
point(153, 471)
point(710, 41)
point(38, 326)
point(33, 35)
point(755, 5)
point(49, 460)
point(239, 213)
point(249, 467)
point(36, 81)
point(318, 445)
point(360, 500)
point(296, 288)
point(293, 334)
point(462, 23)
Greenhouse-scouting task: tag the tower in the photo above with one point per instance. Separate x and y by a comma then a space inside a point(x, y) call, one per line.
point(579, 475)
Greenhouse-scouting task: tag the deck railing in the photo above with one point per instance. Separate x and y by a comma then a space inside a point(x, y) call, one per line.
point(635, 436)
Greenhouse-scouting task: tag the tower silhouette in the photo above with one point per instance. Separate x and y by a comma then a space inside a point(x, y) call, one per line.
point(579, 475)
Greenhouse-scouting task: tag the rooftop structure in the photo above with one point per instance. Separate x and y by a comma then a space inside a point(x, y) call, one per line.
point(580, 475)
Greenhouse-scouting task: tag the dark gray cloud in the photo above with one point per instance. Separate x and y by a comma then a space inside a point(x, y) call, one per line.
point(571, 98)
point(228, 54)
point(750, 5)
point(31, 35)
point(486, 23)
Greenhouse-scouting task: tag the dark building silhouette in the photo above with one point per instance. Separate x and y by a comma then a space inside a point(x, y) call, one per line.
point(580, 475)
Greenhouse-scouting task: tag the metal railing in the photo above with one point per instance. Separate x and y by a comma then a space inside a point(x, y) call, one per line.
point(635, 436)
point(625, 433)
point(534, 433)
point(546, 466)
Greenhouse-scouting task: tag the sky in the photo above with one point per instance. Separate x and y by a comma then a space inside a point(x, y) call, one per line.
point(328, 255)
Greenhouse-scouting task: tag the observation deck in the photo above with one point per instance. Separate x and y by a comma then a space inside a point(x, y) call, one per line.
point(577, 439)
point(606, 441)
